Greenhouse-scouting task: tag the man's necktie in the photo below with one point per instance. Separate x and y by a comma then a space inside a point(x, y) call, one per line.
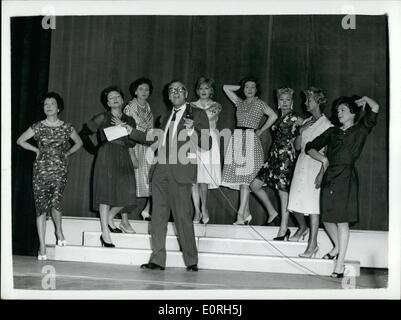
point(174, 115)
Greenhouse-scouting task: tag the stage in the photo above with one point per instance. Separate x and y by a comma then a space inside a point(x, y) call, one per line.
point(100, 276)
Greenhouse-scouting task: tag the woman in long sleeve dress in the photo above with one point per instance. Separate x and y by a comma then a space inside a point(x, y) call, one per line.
point(50, 168)
point(113, 186)
point(339, 183)
point(209, 168)
point(244, 156)
point(278, 169)
point(304, 197)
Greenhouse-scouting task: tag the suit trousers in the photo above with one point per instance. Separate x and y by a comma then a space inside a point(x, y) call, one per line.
point(168, 194)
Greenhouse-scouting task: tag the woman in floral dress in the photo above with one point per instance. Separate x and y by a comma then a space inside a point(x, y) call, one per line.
point(277, 171)
point(50, 168)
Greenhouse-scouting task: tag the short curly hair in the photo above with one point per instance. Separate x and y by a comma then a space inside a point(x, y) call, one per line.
point(318, 94)
point(136, 83)
point(55, 96)
point(284, 90)
point(350, 103)
point(105, 92)
point(209, 81)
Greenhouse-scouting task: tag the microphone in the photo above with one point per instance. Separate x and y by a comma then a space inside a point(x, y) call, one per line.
point(188, 112)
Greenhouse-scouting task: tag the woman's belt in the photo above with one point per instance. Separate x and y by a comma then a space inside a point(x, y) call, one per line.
point(245, 128)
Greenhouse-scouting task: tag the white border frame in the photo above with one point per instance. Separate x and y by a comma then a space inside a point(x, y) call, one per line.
point(206, 7)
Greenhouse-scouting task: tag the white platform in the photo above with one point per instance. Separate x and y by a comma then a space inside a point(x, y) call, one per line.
point(204, 244)
point(370, 248)
point(215, 261)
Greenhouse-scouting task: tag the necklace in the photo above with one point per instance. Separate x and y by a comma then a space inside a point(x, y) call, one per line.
point(52, 124)
point(118, 115)
point(205, 105)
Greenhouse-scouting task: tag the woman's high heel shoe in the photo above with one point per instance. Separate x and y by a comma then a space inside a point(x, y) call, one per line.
point(126, 229)
point(299, 236)
point(328, 256)
point(42, 256)
point(286, 235)
point(205, 220)
point(61, 243)
point(196, 221)
point(146, 216)
point(246, 221)
point(311, 254)
point(106, 244)
point(338, 275)
point(114, 230)
point(272, 221)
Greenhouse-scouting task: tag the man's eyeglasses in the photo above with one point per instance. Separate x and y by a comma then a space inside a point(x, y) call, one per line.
point(176, 90)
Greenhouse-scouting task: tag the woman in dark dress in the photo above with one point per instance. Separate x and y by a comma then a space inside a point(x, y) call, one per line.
point(50, 168)
point(113, 178)
point(338, 177)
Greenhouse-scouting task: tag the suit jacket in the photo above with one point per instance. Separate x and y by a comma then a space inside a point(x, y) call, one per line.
point(185, 172)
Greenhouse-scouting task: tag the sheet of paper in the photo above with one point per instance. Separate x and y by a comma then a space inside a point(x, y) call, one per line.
point(115, 132)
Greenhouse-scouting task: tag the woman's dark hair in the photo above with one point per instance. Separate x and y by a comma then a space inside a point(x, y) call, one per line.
point(350, 103)
point(105, 93)
point(57, 97)
point(135, 84)
point(240, 91)
point(208, 81)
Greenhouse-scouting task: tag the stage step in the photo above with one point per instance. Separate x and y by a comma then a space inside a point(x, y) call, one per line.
point(368, 247)
point(214, 261)
point(210, 245)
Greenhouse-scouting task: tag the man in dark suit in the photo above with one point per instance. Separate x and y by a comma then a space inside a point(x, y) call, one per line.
point(172, 177)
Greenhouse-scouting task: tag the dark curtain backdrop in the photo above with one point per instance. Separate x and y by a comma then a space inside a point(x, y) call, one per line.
point(90, 53)
point(30, 55)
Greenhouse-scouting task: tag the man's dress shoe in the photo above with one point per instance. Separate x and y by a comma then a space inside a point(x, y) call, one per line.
point(193, 267)
point(151, 266)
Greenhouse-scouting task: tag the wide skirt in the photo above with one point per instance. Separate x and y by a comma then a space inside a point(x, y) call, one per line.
point(113, 182)
point(243, 159)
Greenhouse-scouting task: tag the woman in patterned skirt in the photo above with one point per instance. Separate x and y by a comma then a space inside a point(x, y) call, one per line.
point(339, 182)
point(139, 109)
point(278, 169)
point(113, 184)
point(50, 168)
point(244, 156)
point(304, 195)
point(209, 169)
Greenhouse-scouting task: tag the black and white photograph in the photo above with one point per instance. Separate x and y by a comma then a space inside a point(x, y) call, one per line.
point(200, 150)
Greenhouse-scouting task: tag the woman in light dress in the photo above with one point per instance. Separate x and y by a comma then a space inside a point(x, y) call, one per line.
point(304, 195)
point(139, 109)
point(209, 168)
point(244, 156)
